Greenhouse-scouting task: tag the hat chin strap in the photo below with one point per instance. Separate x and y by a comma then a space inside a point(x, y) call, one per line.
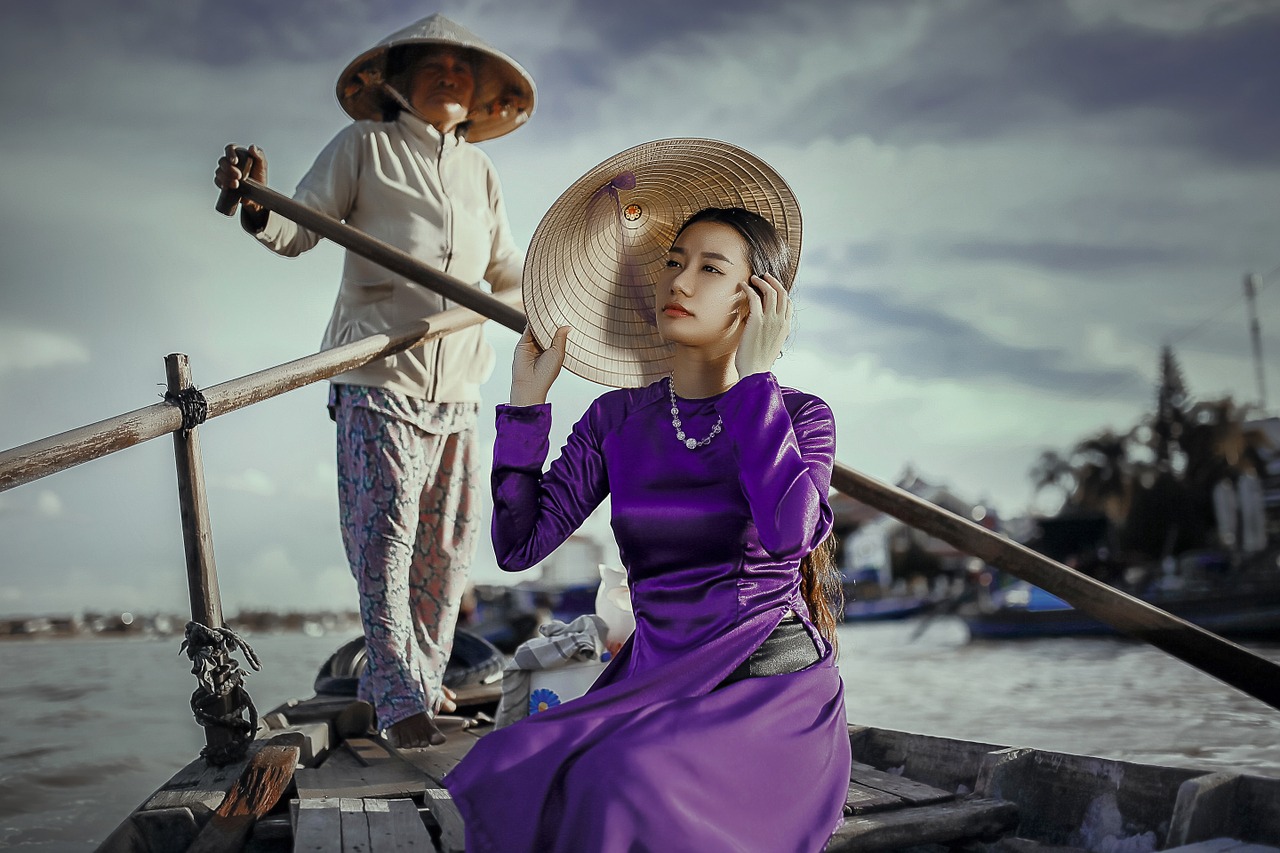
point(404, 104)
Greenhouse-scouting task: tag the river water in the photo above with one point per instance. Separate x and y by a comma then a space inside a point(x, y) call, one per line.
point(92, 726)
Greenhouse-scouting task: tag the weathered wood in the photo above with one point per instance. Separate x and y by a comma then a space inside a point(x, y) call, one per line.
point(167, 829)
point(1218, 805)
point(314, 740)
point(388, 256)
point(255, 793)
point(355, 826)
point(939, 823)
point(193, 504)
point(360, 767)
point(319, 826)
point(200, 787)
point(47, 456)
point(453, 833)
point(908, 790)
point(1058, 793)
point(408, 832)
point(951, 765)
point(862, 800)
point(125, 838)
point(197, 538)
point(1233, 664)
point(1203, 808)
point(439, 760)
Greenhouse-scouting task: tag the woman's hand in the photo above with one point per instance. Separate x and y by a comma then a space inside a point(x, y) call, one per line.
point(767, 326)
point(534, 369)
point(231, 169)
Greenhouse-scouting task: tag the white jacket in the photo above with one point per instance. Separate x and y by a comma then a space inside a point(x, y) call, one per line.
point(435, 197)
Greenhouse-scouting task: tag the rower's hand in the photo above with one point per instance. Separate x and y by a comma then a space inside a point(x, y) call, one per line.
point(768, 322)
point(232, 168)
point(533, 369)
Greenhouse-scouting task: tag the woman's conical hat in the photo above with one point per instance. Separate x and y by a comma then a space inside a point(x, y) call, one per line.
point(596, 255)
point(504, 95)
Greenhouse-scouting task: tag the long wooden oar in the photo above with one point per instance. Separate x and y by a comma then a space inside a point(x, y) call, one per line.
point(1220, 658)
point(400, 262)
point(1206, 651)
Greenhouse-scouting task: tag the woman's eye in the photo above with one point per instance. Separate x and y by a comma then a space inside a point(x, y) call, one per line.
point(671, 262)
point(709, 268)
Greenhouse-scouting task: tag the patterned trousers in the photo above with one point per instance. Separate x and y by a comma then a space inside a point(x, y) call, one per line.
point(410, 505)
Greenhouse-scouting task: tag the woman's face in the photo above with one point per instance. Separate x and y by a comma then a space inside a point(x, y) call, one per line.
point(699, 298)
point(441, 88)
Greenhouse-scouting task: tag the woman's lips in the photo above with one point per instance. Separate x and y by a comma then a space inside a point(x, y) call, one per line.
point(674, 310)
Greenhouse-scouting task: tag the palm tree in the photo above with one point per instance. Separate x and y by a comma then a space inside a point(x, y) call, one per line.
point(1053, 471)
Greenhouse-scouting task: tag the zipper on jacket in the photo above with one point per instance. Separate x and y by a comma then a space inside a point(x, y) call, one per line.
point(448, 257)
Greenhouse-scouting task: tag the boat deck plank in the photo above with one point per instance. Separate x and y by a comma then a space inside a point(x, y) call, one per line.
point(453, 835)
point(909, 790)
point(319, 825)
point(355, 826)
point(935, 823)
point(862, 800)
point(405, 831)
point(360, 767)
point(439, 760)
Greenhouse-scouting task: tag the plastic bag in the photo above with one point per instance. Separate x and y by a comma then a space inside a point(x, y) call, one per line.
point(613, 605)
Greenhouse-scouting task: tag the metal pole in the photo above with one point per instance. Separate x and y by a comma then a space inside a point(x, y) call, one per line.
point(1255, 331)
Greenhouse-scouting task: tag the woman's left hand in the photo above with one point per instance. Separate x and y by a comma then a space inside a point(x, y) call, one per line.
point(767, 325)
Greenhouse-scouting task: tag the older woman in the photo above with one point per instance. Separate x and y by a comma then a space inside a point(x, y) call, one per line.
point(408, 463)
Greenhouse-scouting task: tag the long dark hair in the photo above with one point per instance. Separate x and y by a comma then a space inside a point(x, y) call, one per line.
point(767, 252)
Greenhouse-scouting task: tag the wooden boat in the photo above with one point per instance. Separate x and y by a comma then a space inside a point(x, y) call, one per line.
point(886, 609)
point(313, 775)
point(1247, 607)
point(352, 791)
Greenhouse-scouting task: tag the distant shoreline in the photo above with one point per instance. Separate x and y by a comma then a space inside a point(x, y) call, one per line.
point(126, 624)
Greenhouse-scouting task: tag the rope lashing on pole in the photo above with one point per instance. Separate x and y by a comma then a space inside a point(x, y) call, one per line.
point(191, 403)
point(221, 679)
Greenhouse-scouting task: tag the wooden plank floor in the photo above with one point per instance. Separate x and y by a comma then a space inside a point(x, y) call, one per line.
point(364, 797)
point(884, 812)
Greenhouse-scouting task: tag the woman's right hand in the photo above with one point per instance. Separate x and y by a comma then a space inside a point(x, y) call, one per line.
point(533, 369)
point(232, 168)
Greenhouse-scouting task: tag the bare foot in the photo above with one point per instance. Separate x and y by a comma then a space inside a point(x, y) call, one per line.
point(415, 732)
point(447, 703)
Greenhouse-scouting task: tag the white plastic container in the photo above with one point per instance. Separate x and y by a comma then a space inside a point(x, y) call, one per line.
point(551, 687)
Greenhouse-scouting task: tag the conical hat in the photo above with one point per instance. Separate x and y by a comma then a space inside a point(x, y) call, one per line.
point(504, 95)
point(595, 256)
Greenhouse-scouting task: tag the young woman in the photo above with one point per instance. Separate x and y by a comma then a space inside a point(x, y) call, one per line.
point(720, 725)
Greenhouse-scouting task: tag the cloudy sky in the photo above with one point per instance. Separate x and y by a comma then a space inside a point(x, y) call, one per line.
point(1009, 207)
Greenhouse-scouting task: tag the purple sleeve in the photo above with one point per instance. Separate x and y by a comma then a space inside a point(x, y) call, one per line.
point(784, 463)
point(533, 512)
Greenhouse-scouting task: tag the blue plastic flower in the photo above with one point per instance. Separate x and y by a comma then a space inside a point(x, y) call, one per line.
point(542, 699)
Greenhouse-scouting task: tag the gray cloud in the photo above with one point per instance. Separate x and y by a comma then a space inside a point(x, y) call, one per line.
point(925, 343)
point(982, 69)
point(1069, 257)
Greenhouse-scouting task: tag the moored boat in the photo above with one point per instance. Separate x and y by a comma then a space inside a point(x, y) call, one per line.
point(1248, 609)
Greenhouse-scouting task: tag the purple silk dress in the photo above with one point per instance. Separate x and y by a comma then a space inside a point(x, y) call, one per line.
point(658, 756)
